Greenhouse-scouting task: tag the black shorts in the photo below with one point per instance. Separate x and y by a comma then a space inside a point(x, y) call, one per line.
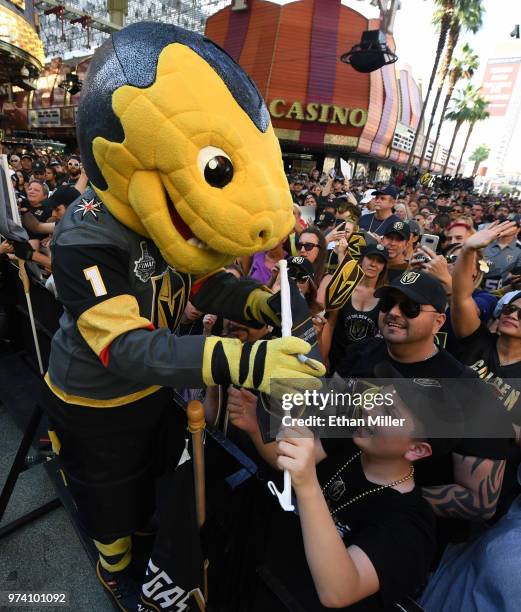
point(111, 458)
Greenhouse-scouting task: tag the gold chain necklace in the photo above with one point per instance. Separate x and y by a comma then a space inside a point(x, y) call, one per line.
point(379, 226)
point(364, 493)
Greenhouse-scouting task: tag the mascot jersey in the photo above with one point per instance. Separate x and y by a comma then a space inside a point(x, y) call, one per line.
point(112, 281)
point(187, 175)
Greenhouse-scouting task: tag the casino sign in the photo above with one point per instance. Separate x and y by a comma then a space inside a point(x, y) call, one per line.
point(322, 113)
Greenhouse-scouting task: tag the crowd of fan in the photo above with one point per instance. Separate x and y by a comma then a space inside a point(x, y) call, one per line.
point(456, 317)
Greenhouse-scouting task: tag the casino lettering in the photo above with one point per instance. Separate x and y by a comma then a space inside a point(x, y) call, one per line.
point(321, 113)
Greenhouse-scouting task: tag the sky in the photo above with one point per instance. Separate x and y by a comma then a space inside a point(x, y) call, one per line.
point(416, 39)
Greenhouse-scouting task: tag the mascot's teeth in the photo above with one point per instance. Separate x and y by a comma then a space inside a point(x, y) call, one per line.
point(198, 243)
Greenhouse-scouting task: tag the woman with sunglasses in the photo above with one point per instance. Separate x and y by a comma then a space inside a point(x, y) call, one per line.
point(312, 246)
point(358, 319)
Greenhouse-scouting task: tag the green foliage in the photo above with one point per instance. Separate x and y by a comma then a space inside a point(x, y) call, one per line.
point(481, 153)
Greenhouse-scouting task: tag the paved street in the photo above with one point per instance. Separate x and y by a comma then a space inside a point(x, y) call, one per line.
point(46, 555)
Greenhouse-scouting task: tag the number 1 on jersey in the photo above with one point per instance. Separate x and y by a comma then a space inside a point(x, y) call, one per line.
point(93, 275)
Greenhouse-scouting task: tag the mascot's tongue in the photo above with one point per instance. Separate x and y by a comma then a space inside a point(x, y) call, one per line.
point(179, 224)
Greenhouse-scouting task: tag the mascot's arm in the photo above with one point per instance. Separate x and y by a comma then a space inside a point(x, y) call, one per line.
point(242, 300)
point(92, 284)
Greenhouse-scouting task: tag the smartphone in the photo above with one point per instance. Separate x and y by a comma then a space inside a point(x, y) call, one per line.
point(430, 241)
point(339, 223)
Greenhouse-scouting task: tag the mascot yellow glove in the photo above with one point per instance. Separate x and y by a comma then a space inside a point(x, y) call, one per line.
point(257, 308)
point(254, 364)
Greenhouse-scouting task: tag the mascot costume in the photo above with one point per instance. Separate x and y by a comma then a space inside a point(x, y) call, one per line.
point(186, 176)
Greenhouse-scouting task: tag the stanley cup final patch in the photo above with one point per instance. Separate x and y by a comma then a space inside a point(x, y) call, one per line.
point(145, 266)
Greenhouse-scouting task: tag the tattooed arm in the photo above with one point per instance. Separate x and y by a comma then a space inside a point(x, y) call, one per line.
point(474, 493)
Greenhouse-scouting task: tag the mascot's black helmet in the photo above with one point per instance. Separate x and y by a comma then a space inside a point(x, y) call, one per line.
point(177, 142)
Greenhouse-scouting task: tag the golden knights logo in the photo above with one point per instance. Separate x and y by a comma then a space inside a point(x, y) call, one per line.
point(145, 266)
point(346, 277)
point(409, 278)
point(170, 294)
point(355, 245)
point(357, 328)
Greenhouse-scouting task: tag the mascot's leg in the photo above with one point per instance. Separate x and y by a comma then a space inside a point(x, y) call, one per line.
point(110, 458)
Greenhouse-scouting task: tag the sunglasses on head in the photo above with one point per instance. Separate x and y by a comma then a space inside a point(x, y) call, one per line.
point(407, 307)
point(509, 309)
point(298, 278)
point(308, 246)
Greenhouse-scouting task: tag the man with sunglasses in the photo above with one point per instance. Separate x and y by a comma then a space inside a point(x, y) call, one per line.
point(15, 162)
point(412, 311)
point(74, 169)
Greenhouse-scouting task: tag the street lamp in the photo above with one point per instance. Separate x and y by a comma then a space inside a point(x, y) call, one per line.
point(372, 53)
point(72, 83)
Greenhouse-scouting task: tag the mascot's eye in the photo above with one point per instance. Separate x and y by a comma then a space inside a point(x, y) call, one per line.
point(215, 166)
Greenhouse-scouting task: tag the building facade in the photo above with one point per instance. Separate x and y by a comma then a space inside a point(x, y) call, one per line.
point(322, 108)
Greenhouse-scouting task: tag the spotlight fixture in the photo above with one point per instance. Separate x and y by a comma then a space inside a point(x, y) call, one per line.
point(72, 83)
point(370, 54)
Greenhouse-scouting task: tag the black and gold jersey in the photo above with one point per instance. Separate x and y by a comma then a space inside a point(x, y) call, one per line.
point(121, 303)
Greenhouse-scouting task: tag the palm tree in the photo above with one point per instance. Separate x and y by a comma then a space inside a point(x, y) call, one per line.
point(442, 18)
point(478, 113)
point(467, 14)
point(480, 154)
point(465, 104)
point(462, 67)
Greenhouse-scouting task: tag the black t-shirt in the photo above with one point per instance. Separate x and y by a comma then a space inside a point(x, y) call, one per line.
point(41, 214)
point(395, 530)
point(394, 271)
point(370, 223)
point(360, 361)
point(479, 351)
point(352, 325)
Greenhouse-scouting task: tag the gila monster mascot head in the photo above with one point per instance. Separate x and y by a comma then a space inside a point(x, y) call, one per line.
point(177, 142)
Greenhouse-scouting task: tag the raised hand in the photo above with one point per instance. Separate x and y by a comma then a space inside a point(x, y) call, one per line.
point(486, 236)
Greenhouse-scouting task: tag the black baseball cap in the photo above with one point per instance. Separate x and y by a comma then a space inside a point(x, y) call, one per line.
point(401, 228)
point(324, 219)
point(65, 194)
point(375, 249)
point(415, 227)
point(433, 408)
point(27, 156)
point(420, 287)
point(39, 167)
point(390, 190)
point(301, 266)
point(55, 162)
